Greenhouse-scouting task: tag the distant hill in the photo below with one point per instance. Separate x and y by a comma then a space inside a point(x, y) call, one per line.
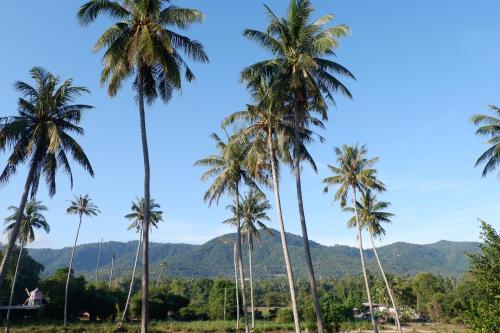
point(214, 258)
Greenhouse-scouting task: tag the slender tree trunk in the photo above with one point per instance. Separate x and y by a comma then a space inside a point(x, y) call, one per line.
point(389, 289)
point(98, 260)
point(14, 279)
point(240, 261)
point(235, 260)
point(250, 273)
point(288, 264)
point(15, 232)
point(133, 277)
point(159, 276)
point(296, 166)
point(111, 271)
point(225, 302)
point(358, 228)
point(145, 232)
point(69, 275)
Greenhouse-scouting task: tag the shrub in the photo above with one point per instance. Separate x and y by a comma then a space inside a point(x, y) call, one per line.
point(284, 316)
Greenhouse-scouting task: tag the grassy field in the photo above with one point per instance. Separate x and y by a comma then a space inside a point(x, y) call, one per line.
point(209, 326)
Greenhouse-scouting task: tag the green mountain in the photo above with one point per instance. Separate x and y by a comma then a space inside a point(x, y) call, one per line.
point(214, 258)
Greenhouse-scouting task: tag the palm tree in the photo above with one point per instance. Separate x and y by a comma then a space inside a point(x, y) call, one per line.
point(41, 136)
point(230, 168)
point(31, 219)
point(253, 212)
point(372, 215)
point(301, 50)
point(81, 205)
point(142, 44)
point(355, 173)
point(136, 215)
point(489, 126)
point(268, 122)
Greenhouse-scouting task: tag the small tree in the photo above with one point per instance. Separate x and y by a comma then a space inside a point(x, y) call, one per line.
point(483, 312)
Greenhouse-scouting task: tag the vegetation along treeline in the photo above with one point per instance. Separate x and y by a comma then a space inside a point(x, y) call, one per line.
point(291, 91)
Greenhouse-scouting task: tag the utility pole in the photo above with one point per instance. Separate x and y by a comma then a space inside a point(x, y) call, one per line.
point(111, 272)
point(225, 298)
point(98, 259)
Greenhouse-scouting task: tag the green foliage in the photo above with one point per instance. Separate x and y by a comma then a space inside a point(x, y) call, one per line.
point(215, 306)
point(483, 310)
point(335, 312)
point(53, 290)
point(27, 277)
point(489, 126)
point(162, 303)
point(425, 286)
point(284, 315)
point(102, 302)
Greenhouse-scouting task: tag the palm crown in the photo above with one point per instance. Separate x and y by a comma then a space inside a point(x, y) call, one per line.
point(489, 126)
point(301, 50)
point(230, 167)
point(253, 211)
point(143, 42)
point(371, 214)
point(354, 171)
point(83, 205)
point(137, 214)
point(31, 219)
point(41, 132)
point(270, 117)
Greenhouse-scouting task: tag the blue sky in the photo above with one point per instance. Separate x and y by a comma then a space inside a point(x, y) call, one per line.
point(422, 67)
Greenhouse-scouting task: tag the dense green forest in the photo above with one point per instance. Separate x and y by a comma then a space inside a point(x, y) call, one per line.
point(214, 258)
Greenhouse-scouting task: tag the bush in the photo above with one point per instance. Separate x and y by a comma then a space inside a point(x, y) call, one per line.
point(162, 304)
point(284, 316)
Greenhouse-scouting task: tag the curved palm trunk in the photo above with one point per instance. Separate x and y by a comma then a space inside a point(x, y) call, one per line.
point(358, 228)
point(288, 264)
point(132, 280)
point(69, 274)
point(98, 261)
point(235, 261)
point(111, 271)
point(14, 279)
point(145, 233)
point(250, 273)
point(389, 289)
point(240, 261)
point(305, 237)
point(15, 232)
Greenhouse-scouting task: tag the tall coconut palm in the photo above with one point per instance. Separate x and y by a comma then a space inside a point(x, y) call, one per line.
point(354, 172)
point(269, 125)
point(136, 215)
point(253, 213)
point(300, 50)
point(230, 169)
point(81, 205)
point(143, 44)
point(41, 136)
point(372, 215)
point(489, 126)
point(31, 219)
